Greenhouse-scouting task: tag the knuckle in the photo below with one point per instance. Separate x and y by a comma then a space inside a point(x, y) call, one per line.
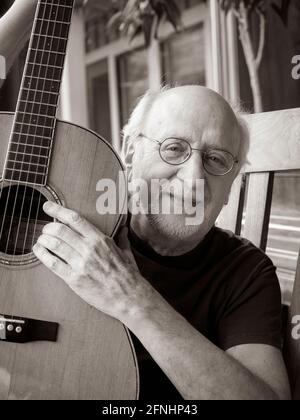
point(53, 264)
point(75, 217)
point(56, 243)
point(88, 263)
point(59, 229)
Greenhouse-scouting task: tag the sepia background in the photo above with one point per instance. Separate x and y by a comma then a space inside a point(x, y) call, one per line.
point(106, 73)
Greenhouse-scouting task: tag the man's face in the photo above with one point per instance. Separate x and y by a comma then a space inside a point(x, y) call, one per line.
point(204, 119)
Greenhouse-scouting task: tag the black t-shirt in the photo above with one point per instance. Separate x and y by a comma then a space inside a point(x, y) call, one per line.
point(226, 288)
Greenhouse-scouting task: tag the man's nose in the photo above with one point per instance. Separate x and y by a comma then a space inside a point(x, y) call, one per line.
point(192, 169)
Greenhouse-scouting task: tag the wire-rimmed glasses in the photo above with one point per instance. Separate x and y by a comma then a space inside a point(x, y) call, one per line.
point(176, 151)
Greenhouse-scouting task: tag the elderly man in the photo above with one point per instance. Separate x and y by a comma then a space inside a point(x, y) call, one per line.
point(203, 304)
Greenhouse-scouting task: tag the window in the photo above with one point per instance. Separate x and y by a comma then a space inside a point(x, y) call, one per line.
point(284, 229)
point(279, 89)
point(133, 80)
point(183, 57)
point(98, 96)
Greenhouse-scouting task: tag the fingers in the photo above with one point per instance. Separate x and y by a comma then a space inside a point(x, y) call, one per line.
point(61, 249)
point(66, 234)
point(54, 264)
point(73, 220)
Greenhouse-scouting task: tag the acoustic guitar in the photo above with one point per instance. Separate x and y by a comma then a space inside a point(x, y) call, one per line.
point(52, 344)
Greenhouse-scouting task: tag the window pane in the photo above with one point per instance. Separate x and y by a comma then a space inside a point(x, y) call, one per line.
point(280, 85)
point(183, 57)
point(133, 80)
point(99, 103)
point(284, 229)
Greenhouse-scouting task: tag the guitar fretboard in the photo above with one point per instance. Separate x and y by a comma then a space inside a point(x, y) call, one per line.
point(33, 129)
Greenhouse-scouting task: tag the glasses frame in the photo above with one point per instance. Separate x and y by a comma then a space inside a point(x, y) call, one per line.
point(160, 143)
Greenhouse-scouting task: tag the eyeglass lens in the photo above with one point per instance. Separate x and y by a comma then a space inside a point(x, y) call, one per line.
point(177, 151)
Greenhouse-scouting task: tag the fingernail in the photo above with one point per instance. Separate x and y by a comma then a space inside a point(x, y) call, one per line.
point(48, 205)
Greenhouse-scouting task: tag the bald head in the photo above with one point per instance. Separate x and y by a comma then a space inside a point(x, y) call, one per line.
point(202, 113)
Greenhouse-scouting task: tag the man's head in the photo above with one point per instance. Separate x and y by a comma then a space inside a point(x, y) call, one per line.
point(206, 121)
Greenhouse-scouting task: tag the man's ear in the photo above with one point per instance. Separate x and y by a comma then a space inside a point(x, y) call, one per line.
point(127, 155)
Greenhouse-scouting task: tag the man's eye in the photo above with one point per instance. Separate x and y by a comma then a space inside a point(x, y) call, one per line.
point(216, 159)
point(174, 148)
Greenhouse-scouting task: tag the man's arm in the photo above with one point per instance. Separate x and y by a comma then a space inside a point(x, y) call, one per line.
point(15, 27)
point(107, 278)
point(199, 369)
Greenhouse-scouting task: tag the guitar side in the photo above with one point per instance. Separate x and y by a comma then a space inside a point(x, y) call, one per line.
point(93, 357)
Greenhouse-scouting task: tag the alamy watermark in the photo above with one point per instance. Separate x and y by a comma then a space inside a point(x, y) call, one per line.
point(2, 67)
point(296, 328)
point(296, 68)
point(157, 196)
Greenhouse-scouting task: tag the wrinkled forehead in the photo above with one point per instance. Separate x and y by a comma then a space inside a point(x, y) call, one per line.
point(200, 116)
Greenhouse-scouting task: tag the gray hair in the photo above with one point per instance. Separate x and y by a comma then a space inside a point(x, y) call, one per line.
point(135, 125)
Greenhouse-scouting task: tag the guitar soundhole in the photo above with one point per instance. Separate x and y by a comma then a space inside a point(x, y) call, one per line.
point(21, 218)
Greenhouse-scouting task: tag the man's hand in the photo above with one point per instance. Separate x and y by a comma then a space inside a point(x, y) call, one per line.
point(92, 265)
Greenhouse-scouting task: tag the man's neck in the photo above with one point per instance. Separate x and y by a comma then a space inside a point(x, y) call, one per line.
point(161, 244)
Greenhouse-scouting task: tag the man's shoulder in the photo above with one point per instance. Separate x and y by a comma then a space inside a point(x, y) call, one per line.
point(239, 246)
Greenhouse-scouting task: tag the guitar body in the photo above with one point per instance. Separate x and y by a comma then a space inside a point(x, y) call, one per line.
point(92, 357)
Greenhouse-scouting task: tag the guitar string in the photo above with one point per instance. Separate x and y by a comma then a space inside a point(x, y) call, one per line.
point(30, 77)
point(12, 171)
point(32, 148)
point(53, 127)
point(11, 181)
point(26, 135)
point(64, 19)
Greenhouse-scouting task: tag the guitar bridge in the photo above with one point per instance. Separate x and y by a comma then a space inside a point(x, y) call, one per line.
point(15, 329)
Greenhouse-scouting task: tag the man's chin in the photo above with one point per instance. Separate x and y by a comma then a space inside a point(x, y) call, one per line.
point(175, 226)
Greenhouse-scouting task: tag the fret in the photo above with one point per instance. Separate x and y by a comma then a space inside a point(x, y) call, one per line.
point(55, 43)
point(43, 65)
point(36, 103)
point(43, 51)
point(65, 3)
point(51, 28)
point(30, 95)
point(26, 138)
point(29, 149)
point(27, 167)
point(33, 125)
point(31, 79)
point(46, 58)
point(20, 170)
point(43, 71)
point(55, 20)
point(26, 177)
point(36, 108)
point(27, 158)
point(41, 120)
point(32, 129)
point(40, 91)
point(56, 12)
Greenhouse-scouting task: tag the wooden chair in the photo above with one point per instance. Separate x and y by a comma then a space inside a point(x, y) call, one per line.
point(274, 147)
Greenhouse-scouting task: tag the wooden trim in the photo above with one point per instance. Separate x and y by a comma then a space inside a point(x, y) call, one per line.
point(275, 144)
point(154, 63)
point(258, 208)
point(231, 215)
point(216, 50)
point(115, 119)
point(74, 101)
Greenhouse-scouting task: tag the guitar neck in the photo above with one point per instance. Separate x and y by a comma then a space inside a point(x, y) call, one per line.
point(32, 134)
